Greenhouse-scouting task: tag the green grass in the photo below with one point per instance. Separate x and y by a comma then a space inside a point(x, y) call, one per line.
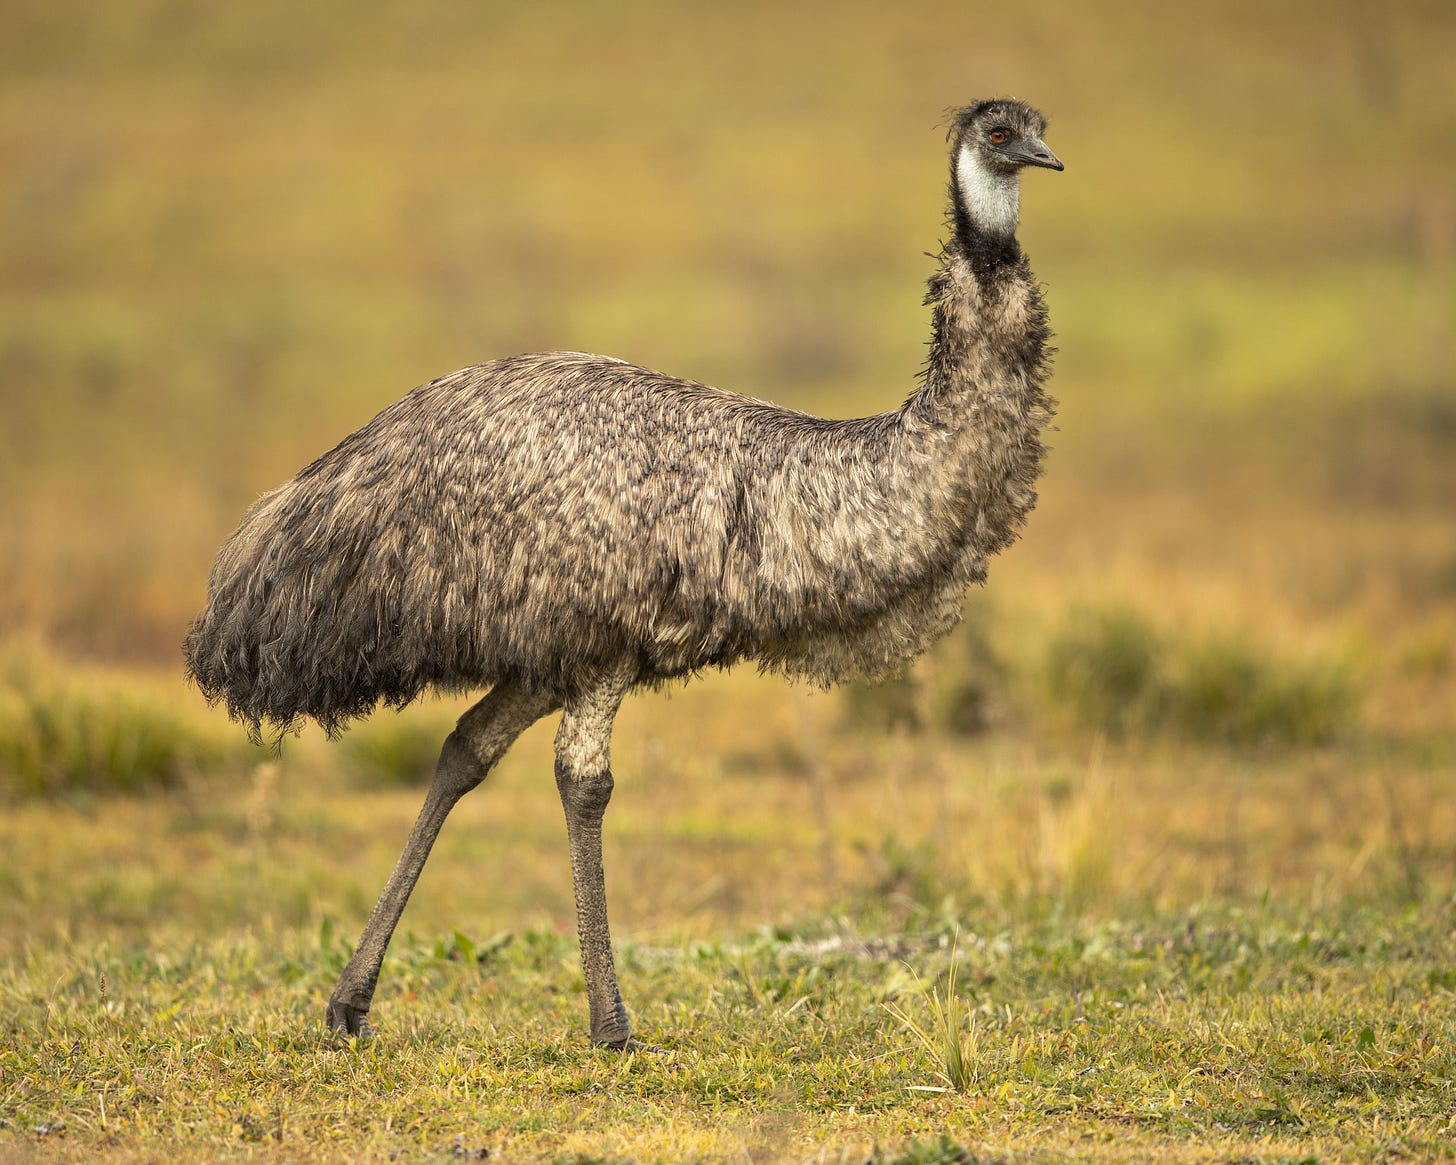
point(68, 732)
point(948, 1034)
point(1267, 1032)
point(1120, 676)
point(1161, 952)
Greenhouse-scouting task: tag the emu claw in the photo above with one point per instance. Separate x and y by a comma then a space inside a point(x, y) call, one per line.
point(348, 1020)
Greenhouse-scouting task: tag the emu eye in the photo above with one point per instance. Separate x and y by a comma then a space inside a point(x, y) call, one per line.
point(999, 136)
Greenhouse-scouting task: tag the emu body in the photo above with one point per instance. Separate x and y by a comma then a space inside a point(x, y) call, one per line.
point(561, 528)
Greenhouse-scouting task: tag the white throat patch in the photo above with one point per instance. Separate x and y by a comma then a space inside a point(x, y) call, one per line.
point(993, 199)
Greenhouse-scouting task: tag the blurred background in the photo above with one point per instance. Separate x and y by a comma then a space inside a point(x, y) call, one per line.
point(229, 234)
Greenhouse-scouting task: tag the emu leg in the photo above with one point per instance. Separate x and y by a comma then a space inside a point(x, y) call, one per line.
point(584, 780)
point(471, 750)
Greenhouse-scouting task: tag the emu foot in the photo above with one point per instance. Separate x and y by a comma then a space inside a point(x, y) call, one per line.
point(630, 1045)
point(348, 1020)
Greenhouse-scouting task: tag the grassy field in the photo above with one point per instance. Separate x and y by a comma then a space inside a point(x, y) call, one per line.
point(1169, 952)
point(1170, 821)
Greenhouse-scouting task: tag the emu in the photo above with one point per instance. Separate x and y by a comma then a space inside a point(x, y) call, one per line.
point(562, 528)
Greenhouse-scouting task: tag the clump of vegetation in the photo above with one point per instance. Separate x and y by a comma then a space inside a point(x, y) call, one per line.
point(393, 750)
point(960, 695)
point(949, 1035)
point(891, 705)
point(943, 1151)
point(1225, 689)
point(975, 679)
point(1119, 674)
point(68, 732)
point(1104, 666)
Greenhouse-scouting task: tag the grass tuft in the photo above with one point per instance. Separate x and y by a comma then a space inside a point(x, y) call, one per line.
point(950, 1035)
point(1225, 689)
point(941, 1151)
point(1104, 666)
point(394, 750)
point(1119, 675)
point(63, 733)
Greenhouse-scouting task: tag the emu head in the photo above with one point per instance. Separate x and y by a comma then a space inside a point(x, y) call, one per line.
point(993, 141)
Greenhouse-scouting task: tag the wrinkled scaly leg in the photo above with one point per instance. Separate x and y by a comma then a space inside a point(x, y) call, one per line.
point(479, 740)
point(584, 780)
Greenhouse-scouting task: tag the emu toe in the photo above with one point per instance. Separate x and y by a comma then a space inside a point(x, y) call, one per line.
point(348, 1020)
point(631, 1045)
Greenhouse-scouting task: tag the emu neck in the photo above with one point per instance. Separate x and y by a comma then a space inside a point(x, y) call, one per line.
point(971, 433)
point(989, 200)
point(990, 329)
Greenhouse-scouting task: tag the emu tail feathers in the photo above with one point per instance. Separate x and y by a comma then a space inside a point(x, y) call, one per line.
point(300, 622)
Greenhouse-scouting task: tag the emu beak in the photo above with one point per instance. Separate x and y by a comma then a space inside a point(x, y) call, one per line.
point(1033, 152)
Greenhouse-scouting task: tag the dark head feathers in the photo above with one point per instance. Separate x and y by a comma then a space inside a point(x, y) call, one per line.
point(1015, 114)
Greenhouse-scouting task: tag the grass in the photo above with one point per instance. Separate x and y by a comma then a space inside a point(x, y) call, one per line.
point(67, 732)
point(1121, 676)
point(1165, 950)
point(949, 1034)
point(1270, 1034)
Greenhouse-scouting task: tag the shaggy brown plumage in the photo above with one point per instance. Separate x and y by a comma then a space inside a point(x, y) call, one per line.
point(561, 528)
point(538, 517)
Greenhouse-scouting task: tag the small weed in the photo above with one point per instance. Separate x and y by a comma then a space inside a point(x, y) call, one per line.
point(943, 1151)
point(952, 1039)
